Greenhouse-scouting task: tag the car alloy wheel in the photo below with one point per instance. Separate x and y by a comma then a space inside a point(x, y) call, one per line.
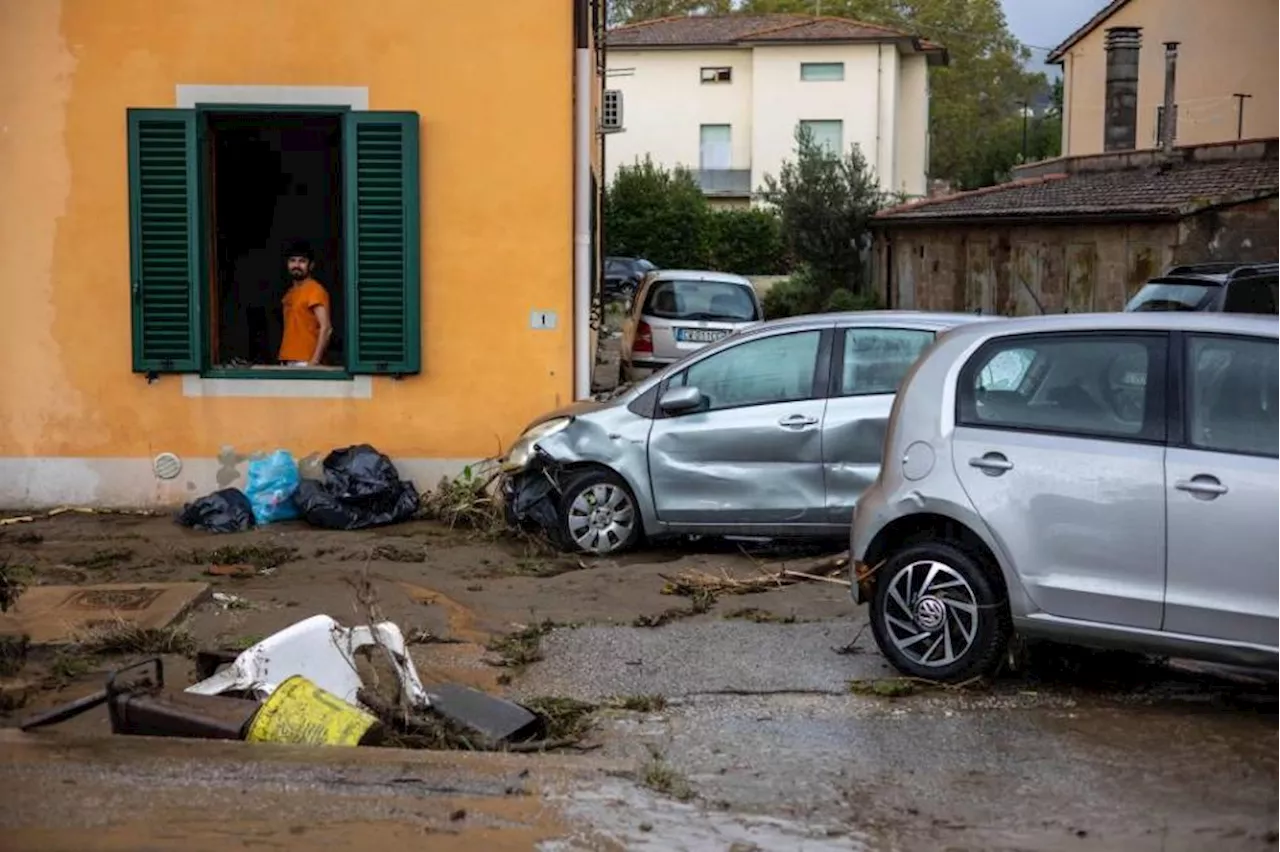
point(599, 514)
point(932, 614)
point(937, 614)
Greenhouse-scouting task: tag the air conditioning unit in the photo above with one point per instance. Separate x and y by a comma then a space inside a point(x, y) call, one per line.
point(611, 112)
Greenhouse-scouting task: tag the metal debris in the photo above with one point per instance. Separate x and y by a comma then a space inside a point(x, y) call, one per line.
point(321, 650)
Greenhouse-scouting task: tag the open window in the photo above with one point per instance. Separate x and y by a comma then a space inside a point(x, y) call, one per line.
point(272, 179)
point(216, 196)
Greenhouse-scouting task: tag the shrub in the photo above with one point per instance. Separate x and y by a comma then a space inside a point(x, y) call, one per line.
point(662, 215)
point(802, 294)
point(847, 300)
point(792, 297)
point(657, 214)
point(748, 242)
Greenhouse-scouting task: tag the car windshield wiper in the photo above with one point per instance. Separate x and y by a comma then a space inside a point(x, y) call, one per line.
point(1163, 305)
point(714, 317)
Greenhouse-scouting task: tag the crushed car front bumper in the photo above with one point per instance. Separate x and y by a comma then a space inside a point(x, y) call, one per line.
point(531, 496)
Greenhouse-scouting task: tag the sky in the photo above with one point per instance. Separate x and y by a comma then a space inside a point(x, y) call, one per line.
point(1045, 24)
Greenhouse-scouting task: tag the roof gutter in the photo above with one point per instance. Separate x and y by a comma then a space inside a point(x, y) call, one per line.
point(935, 56)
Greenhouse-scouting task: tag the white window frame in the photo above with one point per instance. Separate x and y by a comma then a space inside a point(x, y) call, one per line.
point(807, 68)
point(715, 155)
point(717, 74)
point(838, 150)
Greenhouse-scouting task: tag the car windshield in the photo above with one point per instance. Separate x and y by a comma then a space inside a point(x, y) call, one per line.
point(1171, 296)
point(723, 301)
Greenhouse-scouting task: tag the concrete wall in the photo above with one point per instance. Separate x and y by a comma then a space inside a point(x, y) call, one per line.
point(1226, 46)
point(1017, 271)
point(494, 93)
point(882, 102)
point(912, 138)
point(1024, 270)
point(1245, 231)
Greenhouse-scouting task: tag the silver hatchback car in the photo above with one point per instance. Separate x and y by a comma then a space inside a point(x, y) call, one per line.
point(676, 312)
point(1106, 480)
point(772, 432)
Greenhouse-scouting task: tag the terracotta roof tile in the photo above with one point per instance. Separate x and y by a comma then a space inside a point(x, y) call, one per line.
point(725, 30)
point(825, 29)
point(1143, 191)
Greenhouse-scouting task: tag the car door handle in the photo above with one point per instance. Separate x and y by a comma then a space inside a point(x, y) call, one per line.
point(992, 464)
point(1202, 486)
point(797, 421)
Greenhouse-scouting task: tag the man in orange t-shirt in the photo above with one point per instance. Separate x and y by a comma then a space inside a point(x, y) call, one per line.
point(307, 324)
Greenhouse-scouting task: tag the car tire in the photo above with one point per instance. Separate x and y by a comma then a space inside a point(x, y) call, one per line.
point(937, 614)
point(598, 513)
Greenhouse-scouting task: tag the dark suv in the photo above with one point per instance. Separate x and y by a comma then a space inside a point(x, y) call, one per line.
point(1233, 288)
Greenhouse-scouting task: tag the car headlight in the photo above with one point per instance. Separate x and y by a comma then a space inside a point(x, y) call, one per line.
point(521, 451)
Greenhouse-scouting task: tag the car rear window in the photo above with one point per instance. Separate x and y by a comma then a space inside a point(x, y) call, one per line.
point(1172, 296)
point(1251, 296)
point(721, 301)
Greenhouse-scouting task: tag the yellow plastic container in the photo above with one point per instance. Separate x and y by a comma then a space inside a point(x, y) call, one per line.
point(301, 713)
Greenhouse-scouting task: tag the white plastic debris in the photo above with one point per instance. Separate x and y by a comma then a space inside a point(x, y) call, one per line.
point(321, 650)
point(229, 601)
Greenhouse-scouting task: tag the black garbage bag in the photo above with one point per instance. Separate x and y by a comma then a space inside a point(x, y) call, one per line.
point(228, 510)
point(359, 473)
point(361, 488)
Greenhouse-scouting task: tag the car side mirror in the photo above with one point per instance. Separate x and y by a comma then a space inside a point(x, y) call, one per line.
point(680, 400)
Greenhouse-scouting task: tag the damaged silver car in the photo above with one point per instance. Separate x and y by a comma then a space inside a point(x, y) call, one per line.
point(773, 432)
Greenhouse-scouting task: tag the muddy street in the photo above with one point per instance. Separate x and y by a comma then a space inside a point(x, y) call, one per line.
point(763, 721)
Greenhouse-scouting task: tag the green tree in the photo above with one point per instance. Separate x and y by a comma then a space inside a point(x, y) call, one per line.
point(631, 11)
point(1018, 139)
point(657, 214)
point(825, 201)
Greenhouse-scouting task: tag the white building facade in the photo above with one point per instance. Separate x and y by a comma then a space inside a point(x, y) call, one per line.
point(724, 95)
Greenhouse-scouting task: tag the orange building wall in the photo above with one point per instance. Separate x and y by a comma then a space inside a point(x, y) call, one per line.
point(495, 97)
point(1225, 47)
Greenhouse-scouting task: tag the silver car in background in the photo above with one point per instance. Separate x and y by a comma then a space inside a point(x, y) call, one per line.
point(772, 432)
point(1106, 480)
point(676, 312)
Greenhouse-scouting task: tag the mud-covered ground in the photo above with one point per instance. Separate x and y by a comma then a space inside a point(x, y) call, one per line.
point(763, 719)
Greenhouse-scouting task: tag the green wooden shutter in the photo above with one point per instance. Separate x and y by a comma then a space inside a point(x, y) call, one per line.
point(383, 236)
point(164, 249)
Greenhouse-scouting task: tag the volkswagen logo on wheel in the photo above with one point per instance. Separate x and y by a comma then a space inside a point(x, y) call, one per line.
point(931, 612)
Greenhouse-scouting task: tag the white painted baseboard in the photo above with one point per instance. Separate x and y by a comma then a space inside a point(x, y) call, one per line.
point(119, 483)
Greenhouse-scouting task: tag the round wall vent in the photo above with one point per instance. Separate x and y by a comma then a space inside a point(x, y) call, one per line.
point(167, 465)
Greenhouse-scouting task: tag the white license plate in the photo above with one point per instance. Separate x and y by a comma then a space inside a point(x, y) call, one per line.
point(699, 335)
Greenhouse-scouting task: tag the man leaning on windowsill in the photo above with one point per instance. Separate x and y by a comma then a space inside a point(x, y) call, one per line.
point(307, 323)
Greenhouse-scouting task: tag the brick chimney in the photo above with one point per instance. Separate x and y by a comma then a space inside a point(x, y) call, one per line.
point(1120, 125)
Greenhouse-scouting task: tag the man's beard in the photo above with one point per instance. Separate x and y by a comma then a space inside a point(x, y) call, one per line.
point(297, 274)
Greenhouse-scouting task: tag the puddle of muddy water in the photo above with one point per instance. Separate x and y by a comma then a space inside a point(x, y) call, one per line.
point(636, 819)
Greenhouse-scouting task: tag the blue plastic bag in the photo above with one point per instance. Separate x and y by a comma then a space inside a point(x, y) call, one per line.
point(272, 480)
